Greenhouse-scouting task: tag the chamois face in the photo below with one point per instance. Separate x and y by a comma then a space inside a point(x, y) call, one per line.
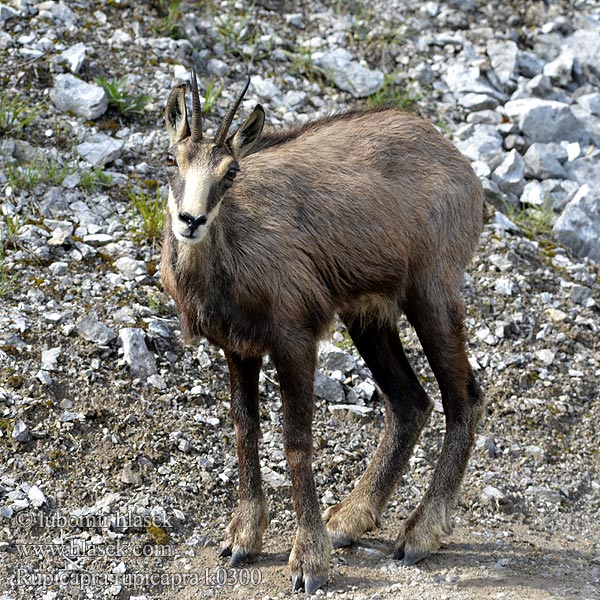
point(201, 171)
point(199, 174)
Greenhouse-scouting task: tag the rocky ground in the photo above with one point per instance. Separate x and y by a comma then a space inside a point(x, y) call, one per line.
point(116, 446)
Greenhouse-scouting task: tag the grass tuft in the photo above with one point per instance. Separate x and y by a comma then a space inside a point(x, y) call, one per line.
point(120, 99)
point(148, 205)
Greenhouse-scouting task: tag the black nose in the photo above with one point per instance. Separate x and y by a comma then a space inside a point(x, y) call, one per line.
point(192, 223)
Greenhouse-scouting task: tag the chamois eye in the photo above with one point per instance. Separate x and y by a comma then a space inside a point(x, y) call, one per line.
point(171, 160)
point(232, 172)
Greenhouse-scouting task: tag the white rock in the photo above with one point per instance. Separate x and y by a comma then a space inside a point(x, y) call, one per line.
point(510, 174)
point(590, 102)
point(333, 358)
point(534, 194)
point(36, 496)
point(492, 495)
point(50, 358)
point(6, 12)
point(74, 57)
point(504, 57)
point(20, 431)
point(100, 149)
point(545, 120)
point(217, 67)
point(121, 38)
point(348, 74)
point(130, 268)
point(578, 226)
point(93, 330)
point(560, 70)
point(140, 360)
point(351, 411)
point(505, 286)
point(86, 100)
point(545, 356)
point(484, 144)
point(327, 388)
point(463, 79)
point(501, 221)
point(265, 87)
point(543, 161)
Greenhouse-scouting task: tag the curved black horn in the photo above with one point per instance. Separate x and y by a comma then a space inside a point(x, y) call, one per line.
point(226, 124)
point(196, 110)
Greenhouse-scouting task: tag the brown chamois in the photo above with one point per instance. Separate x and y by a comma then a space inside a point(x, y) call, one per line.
point(367, 214)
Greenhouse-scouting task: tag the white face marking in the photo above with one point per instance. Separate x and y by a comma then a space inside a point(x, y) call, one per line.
point(198, 182)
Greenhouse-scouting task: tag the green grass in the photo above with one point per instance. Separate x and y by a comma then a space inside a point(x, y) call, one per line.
point(301, 58)
point(52, 170)
point(148, 205)
point(170, 14)
point(212, 95)
point(16, 113)
point(6, 280)
point(94, 178)
point(534, 221)
point(121, 100)
point(393, 94)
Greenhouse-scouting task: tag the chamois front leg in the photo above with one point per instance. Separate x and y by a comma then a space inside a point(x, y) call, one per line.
point(243, 536)
point(309, 558)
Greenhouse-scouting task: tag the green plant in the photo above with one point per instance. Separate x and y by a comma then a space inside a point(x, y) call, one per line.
point(301, 58)
point(233, 29)
point(534, 221)
point(43, 169)
point(24, 177)
point(170, 14)
point(6, 280)
point(16, 113)
point(149, 206)
point(212, 95)
point(94, 178)
point(393, 94)
point(122, 100)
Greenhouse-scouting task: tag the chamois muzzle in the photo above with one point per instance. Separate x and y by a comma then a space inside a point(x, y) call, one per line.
point(191, 222)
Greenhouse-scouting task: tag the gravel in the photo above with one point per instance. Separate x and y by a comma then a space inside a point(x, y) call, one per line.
point(116, 435)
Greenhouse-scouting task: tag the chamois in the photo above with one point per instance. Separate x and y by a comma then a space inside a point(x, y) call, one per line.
point(367, 214)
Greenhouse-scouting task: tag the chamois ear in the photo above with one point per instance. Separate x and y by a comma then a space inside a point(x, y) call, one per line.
point(176, 115)
point(246, 137)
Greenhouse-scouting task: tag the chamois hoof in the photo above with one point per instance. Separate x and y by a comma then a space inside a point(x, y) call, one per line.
point(310, 585)
point(409, 558)
point(339, 539)
point(238, 557)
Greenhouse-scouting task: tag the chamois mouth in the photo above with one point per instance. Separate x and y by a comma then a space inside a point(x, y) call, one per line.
point(191, 238)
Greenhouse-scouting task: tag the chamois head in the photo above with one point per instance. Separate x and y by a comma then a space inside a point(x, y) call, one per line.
point(199, 170)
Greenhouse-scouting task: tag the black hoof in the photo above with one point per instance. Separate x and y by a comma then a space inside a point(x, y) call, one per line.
point(225, 551)
point(297, 584)
point(238, 557)
point(339, 539)
point(312, 584)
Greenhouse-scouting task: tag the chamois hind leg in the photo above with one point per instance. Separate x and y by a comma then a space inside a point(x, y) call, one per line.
point(243, 536)
point(407, 409)
point(438, 319)
point(295, 361)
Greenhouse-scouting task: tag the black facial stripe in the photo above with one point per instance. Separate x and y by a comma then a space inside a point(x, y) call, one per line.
point(177, 183)
point(214, 195)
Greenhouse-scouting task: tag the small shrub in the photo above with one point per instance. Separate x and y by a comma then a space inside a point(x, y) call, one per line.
point(120, 99)
point(15, 113)
point(149, 206)
point(393, 94)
